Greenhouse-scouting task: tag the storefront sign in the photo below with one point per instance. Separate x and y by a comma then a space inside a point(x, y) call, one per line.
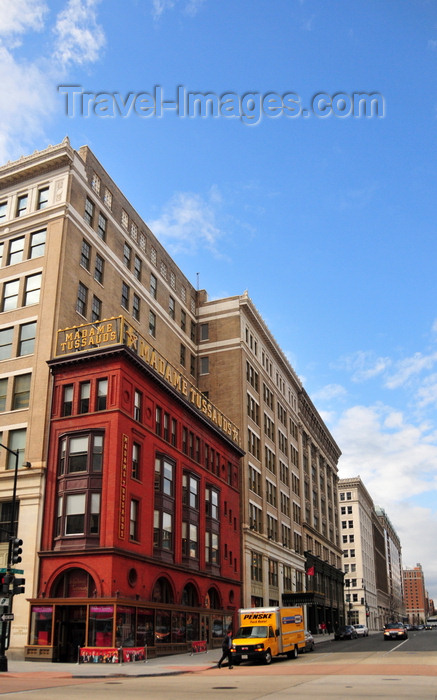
point(117, 331)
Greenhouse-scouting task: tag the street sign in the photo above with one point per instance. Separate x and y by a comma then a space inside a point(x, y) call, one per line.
point(11, 571)
point(4, 601)
point(6, 616)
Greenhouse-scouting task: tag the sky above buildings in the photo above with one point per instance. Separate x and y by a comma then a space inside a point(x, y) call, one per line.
point(288, 183)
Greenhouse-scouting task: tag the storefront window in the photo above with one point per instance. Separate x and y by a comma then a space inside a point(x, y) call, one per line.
point(100, 625)
point(178, 623)
point(192, 627)
point(145, 628)
point(41, 625)
point(163, 627)
point(217, 627)
point(125, 631)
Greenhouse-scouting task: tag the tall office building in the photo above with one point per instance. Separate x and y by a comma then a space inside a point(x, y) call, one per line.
point(393, 556)
point(289, 486)
point(415, 599)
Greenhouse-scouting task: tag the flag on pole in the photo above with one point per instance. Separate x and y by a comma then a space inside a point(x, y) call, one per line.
point(310, 571)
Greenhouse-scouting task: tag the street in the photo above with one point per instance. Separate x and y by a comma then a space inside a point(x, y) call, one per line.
point(362, 668)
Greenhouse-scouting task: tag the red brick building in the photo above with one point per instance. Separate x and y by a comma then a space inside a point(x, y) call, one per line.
point(141, 534)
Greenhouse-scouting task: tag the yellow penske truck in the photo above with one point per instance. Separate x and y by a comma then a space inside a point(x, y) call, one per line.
point(267, 632)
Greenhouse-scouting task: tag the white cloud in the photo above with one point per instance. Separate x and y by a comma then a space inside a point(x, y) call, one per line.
point(28, 96)
point(20, 16)
point(410, 367)
point(79, 38)
point(364, 365)
point(328, 392)
point(191, 7)
point(188, 222)
point(427, 393)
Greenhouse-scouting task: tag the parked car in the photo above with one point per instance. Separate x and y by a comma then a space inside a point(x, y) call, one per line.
point(362, 630)
point(395, 630)
point(346, 632)
point(420, 627)
point(309, 642)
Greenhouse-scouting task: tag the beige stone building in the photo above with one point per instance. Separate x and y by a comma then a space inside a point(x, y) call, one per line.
point(289, 485)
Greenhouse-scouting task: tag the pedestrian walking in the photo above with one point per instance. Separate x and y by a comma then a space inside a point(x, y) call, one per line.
point(226, 647)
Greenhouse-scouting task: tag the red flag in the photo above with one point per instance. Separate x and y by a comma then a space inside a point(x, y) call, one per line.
point(310, 571)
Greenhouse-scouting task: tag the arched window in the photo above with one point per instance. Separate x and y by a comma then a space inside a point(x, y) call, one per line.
point(74, 583)
point(162, 591)
point(214, 599)
point(189, 596)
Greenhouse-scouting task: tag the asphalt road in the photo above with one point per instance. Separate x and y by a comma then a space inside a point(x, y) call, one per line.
point(353, 669)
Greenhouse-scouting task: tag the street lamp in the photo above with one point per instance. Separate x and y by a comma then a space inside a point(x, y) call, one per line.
point(13, 556)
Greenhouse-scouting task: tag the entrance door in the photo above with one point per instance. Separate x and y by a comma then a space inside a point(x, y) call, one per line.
point(70, 630)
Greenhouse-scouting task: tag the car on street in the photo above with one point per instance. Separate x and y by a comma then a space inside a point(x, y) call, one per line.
point(346, 632)
point(309, 642)
point(395, 630)
point(362, 630)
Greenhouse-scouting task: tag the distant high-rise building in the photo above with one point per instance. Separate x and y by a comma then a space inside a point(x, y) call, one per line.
point(416, 608)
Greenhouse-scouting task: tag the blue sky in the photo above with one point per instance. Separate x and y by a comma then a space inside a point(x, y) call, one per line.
point(328, 221)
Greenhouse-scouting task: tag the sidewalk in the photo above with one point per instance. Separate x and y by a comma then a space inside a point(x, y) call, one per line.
point(161, 666)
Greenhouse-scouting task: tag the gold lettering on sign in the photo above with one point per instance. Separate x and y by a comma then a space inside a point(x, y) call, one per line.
point(123, 482)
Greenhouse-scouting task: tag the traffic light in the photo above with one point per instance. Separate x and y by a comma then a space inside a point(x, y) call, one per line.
point(6, 581)
point(18, 586)
point(16, 551)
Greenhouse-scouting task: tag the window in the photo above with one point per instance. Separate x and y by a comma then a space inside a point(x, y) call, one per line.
point(124, 219)
point(164, 470)
point(89, 212)
point(133, 519)
point(254, 480)
point(153, 286)
point(125, 295)
point(127, 254)
point(163, 530)
point(67, 400)
point(85, 255)
point(158, 420)
point(37, 244)
point(96, 309)
point(136, 456)
point(95, 183)
point(273, 572)
point(75, 514)
point(211, 547)
point(6, 335)
point(26, 341)
point(21, 394)
point(22, 205)
point(204, 365)
point(82, 297)
point(190, 544)
point(137, 405)
point(136, 307)
point(98, 268)
point(255, 518)
point(16, 248)
point(134, 231)
point(81, 453)
point(183, 320)
point(32, 289)
point(3, 394)
point(5, 520)
point(107, 198)
point(192, 365)
point(43, 198)
point(16, 442)
point(190, 491)
point(10, 295)
point(84, 397)
point(102, 392)
point(256, 568)
point(212, 503)
point(137, 267)
point(182, 355)
point(152, 324)
point(3, 207)
point(95, 514)
point(171, 307)
point(101, 226)
point(204, 331)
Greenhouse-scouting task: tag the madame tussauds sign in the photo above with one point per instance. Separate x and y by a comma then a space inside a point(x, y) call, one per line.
point(116, 331)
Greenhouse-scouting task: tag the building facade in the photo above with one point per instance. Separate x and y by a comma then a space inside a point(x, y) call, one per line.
point(415, 598)
point(289, 475)
point(394, 606)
